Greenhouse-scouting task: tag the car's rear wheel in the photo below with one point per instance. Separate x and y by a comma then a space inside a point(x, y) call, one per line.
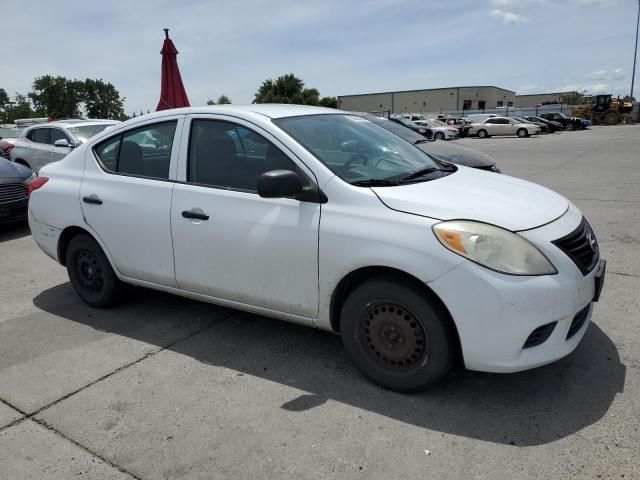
point(91, 274)
point(522, 132)
point(439, 136)
point(482, 133)
point(395, 335)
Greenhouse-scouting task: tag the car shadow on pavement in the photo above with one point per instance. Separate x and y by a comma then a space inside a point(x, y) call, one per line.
point(525, 409)
point(13, 231)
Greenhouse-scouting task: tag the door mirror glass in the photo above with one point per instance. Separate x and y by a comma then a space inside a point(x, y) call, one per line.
point(279, 184)
point(62, 143)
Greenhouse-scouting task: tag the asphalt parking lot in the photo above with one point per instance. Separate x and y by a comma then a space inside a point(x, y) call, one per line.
point(164, 387)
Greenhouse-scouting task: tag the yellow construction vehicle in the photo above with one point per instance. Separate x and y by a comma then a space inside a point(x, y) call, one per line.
point(602, 109)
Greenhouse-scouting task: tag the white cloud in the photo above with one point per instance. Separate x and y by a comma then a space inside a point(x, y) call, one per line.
point(593, 3)
point(593, 88)
point(507, 17)
point(615, 74)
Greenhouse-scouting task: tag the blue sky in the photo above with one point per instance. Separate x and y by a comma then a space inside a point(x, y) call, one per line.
point(340, 47)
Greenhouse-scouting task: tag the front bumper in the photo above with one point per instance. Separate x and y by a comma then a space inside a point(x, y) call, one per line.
point(13, 211)
point(495, 314)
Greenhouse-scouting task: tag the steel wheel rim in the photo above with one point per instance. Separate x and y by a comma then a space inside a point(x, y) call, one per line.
point(393, 338)
point(89, 271)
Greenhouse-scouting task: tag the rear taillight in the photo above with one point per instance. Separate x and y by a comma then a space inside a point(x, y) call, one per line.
point(35, 184)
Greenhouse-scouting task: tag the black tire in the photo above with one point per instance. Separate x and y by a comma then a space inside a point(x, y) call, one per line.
point(483, 133)
point(419, 352)
point(522, 132)
point(439, 136)
point(570, 127)
point(91, 274)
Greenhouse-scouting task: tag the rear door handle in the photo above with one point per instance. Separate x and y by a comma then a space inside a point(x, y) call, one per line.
point(194, 214)
point(94, 199)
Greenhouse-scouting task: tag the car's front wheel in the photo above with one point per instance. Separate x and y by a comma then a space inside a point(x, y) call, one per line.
point(482, 133)
point(395, 335)
point(439, 136)
point(522, 132)
point(91, 274)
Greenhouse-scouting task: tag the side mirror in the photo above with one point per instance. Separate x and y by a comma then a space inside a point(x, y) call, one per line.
point(288, 184)
point(279, 184)
point(62, 143)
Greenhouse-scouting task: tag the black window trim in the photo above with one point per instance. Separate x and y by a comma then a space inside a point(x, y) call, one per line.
point(64, 132)
point(120, 136)
point(35, 129)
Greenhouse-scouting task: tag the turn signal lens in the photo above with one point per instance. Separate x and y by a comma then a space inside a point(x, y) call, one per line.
point(35, 184)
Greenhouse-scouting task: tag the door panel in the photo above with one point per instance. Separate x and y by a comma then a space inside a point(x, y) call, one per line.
point(133, 220)
point(252, 250)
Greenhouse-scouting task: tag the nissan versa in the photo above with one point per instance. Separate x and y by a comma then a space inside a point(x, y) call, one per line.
point(326, 219)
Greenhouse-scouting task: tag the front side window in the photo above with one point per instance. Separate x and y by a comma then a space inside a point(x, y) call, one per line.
point(356, 149)
point(144, 152)
point(226, 155)
point(57, 134)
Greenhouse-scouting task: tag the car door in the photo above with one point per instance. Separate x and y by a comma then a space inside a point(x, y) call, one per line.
point(229, 242)
point(126, 197)
point(491, 126)
point(58, 153)
point(39, 147)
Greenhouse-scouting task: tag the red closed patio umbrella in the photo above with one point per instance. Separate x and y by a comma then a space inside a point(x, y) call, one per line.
point(172, 93)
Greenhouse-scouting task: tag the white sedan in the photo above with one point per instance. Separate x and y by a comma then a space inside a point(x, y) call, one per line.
point(323, 218)
point(503, 126)
point(440, 132)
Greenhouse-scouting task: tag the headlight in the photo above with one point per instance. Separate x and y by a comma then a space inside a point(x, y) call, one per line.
point(493, 247)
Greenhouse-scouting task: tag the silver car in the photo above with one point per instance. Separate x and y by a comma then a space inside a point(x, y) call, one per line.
point(503, 126)
point(44, 143)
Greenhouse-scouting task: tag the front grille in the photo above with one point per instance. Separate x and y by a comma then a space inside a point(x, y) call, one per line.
point(581, 246)
point(578, 321)
point(12, 192)
point(539, 335)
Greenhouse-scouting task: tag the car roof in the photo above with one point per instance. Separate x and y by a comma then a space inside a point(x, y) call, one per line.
point(271, 110)
point(72, 123)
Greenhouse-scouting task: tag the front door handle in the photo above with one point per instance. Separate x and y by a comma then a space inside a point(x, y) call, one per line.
point(93, 199)
point(194, 214)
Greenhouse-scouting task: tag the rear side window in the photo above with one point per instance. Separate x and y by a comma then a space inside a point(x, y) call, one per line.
point(40, 135)
point(225, 155)
point(144, 152)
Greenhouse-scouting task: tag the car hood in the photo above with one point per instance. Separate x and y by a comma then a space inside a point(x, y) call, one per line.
point(457, 154)
point(478, 195)
point(13, 170)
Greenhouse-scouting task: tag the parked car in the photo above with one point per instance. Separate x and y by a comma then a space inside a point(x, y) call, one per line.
point(461, 125)
point(543, 126)
point(445, 151)
point(503, 126)
point(440, 131)
point(326, 219)
point(551, 125)
point(568, 123)
point(421, 129)
point(14, 189)
point(479, 117)
point(44, 143)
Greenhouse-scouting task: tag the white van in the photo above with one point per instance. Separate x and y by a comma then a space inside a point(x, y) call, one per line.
point(480, 117)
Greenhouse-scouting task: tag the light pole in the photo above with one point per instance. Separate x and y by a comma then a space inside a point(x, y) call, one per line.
point(635, 54)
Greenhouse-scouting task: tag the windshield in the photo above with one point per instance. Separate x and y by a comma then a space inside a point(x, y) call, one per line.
point(356, 149)
point(406, 133)
point(405, 122)
point(85, 132)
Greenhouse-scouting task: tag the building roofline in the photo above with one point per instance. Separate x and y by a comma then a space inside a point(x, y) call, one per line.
point(544, 93)
point(426, 90)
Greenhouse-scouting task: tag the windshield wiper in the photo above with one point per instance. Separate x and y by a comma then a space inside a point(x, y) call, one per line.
point(422, 173)
point(375, 182)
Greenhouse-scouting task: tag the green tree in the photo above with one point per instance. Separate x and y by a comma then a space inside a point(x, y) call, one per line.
point(4, 98)
point(575, 98)
point(211, 102)
point(21, 109)
point(330, 102)
point(286, 89)
point(102, 100)
point(224, 100)
point(57, 97)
